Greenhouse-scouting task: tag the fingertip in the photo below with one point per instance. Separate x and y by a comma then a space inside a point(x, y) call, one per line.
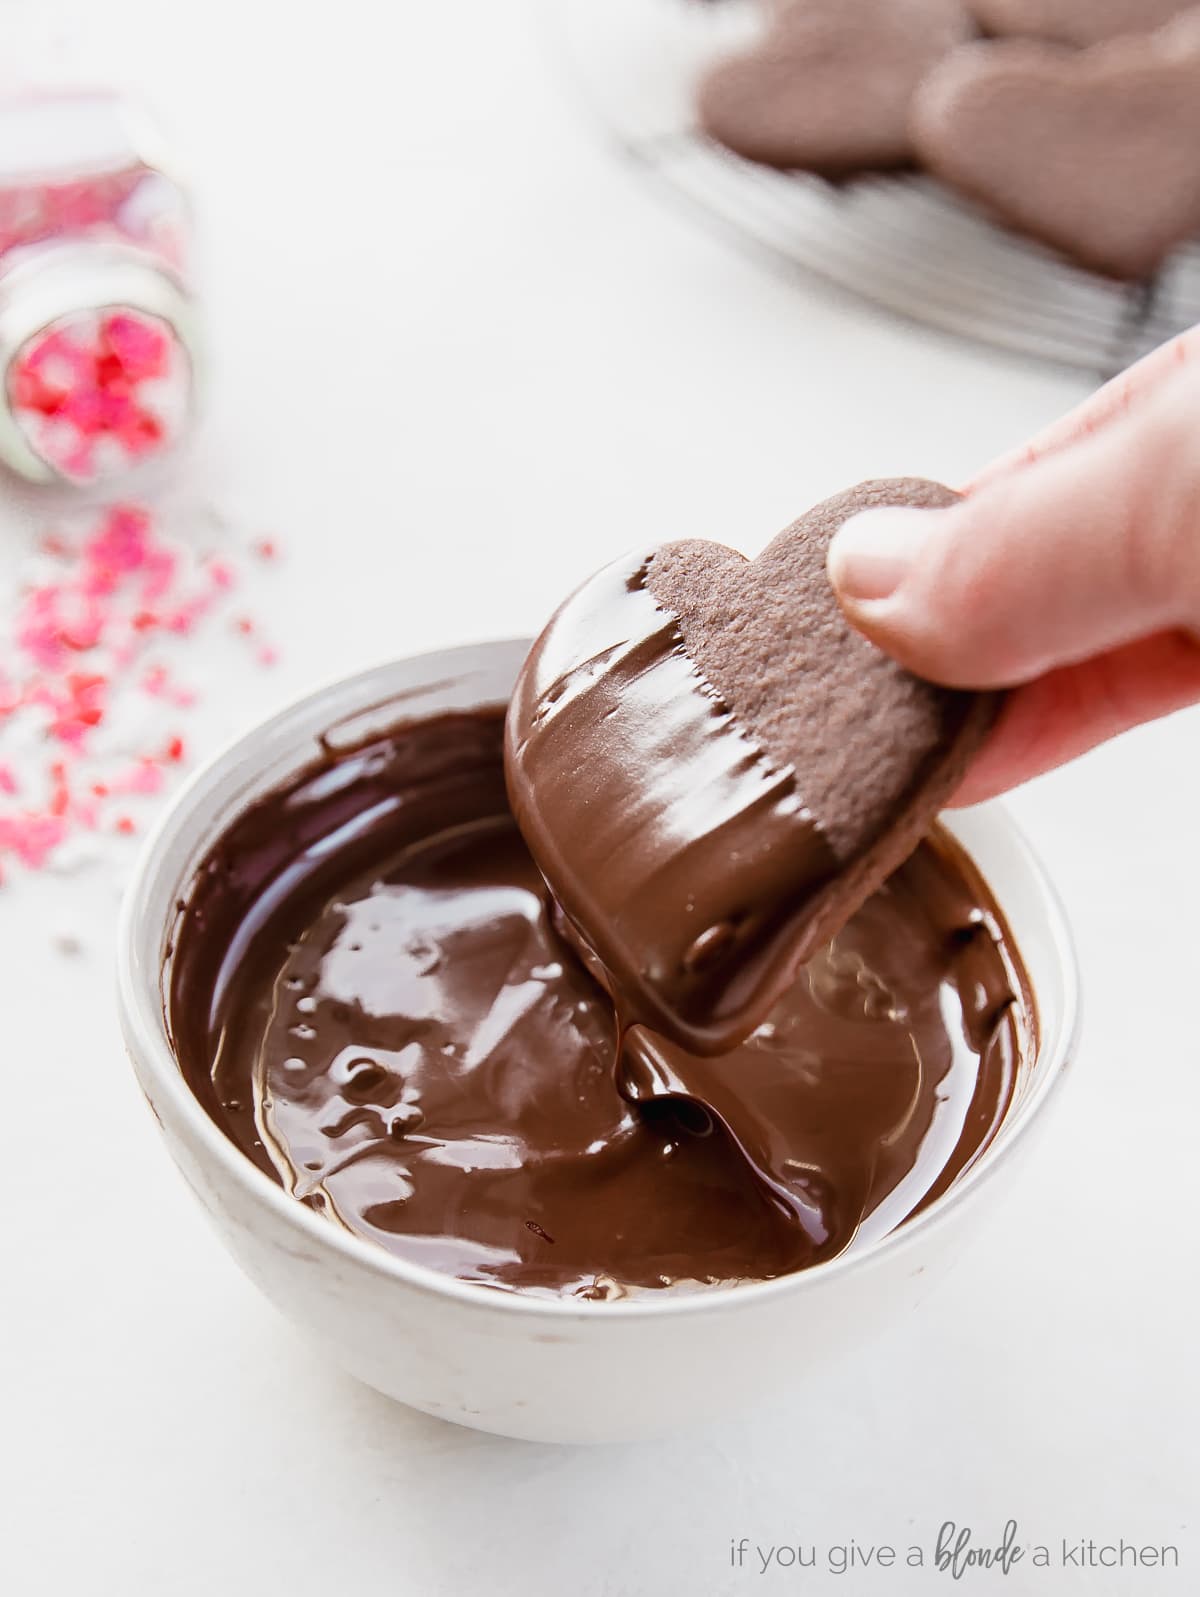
point(885, 567)
point(872, 553)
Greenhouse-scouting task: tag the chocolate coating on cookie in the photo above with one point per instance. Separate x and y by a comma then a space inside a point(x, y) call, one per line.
point(828, 88)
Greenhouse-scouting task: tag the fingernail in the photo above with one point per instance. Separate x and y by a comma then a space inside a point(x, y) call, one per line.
point(873, 552)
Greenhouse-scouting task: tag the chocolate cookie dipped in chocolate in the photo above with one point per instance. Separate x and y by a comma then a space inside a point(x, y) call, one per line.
point(714, 770)
point(369, 996)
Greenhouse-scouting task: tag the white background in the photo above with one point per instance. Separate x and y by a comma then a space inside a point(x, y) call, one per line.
point(461, 356)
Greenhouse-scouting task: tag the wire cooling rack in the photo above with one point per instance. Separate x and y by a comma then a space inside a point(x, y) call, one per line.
point(902, 241)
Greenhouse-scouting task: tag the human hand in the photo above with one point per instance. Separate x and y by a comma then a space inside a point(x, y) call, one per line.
point(1070, 573)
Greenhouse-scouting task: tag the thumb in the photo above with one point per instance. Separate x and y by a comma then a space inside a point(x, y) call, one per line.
point(1083, 551)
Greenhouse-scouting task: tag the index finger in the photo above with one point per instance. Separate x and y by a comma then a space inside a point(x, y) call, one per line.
point(1125, 391)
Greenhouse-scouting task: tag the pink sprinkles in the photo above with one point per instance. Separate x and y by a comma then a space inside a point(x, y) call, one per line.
point(97, 392)
point(91, 705)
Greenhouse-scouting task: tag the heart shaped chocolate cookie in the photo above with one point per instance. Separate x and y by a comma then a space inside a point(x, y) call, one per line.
point(713, 770)
point(1096, 153)
point(829, 86)
point(1076, 21)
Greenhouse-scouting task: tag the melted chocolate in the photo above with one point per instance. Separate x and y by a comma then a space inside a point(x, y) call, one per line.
point(370, 997)
point(682, 857)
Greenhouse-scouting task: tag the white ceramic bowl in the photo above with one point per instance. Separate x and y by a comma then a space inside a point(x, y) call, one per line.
point(546, 1369)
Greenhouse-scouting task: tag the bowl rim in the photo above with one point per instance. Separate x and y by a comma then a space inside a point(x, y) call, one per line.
point(144, 1030)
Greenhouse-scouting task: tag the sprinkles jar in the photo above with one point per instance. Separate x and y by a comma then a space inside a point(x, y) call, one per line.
point(97, 322)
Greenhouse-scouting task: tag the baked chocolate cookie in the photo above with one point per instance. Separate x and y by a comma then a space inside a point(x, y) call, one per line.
point(1094, 152)
point(713, 770)
point(828, 88)
point(811, 691)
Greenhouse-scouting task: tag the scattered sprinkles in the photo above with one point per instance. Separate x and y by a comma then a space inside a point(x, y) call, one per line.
point(97, 678)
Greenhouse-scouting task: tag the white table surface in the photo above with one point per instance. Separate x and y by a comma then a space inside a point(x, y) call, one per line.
point(461, 356)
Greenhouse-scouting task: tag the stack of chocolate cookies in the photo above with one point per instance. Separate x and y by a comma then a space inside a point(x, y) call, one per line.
point(1076, 122)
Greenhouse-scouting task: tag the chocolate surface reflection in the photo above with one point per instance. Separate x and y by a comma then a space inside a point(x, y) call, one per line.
point(370, 998)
